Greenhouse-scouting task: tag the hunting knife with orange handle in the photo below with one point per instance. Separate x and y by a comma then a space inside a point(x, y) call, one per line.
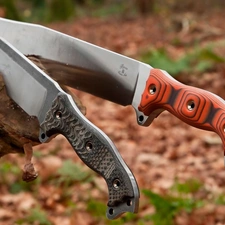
point(105, 74)
point(196, 107)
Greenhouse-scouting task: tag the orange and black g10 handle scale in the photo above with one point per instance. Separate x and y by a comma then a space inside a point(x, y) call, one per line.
point(196, 107)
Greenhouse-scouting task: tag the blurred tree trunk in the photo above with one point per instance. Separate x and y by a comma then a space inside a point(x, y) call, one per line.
point(145, 6)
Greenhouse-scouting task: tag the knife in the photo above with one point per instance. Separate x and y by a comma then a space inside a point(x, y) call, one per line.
point(56, 111)
point(106, 74)
point(115, 77)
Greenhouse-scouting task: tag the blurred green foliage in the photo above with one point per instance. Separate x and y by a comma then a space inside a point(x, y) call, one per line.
point(106, 10)
point(61, 10)
point(220, 199)
point(36, 216)
point(39, 10)
point(190, 186)
point(166, 208)
point(68, 175)
point(170, 205)
point(51, 10)
point(10, 9)
point(198, 60)
point(182, 197)
point(71, 172)
point(11, 177)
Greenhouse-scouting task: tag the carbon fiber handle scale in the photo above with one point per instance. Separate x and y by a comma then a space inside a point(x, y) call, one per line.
point(196, 107)
point(96, 151)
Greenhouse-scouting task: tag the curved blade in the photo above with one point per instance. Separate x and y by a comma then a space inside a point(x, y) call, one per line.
point(104, 73)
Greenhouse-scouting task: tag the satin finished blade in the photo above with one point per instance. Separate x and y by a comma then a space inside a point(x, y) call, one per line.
point(112, 76)
point(26, 84)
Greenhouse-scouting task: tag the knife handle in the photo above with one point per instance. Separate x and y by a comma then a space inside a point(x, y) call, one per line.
point(196, 107)
point(96, 150)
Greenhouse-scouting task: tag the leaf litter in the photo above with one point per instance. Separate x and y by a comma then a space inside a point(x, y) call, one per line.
point(160, 155)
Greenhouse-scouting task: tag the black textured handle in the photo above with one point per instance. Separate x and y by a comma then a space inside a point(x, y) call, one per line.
point(96, 151)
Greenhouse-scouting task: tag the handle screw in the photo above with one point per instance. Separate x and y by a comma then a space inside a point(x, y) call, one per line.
point(89, 146)
point(116, 183)
point(58, 115)
point(191, 105)
point(152, 89)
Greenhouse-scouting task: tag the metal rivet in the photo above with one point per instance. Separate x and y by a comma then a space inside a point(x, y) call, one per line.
point(116, 183)
point(152, 89)
point(89, 146)
point(190, 105)
point(58, 115)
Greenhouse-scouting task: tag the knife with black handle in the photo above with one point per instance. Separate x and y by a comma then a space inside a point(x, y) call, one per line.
point(57, 113)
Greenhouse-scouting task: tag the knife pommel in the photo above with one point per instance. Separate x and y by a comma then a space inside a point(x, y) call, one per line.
point(196, 107)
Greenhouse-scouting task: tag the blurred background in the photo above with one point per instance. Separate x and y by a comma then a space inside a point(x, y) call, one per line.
point(179, 168)
point(53, 10)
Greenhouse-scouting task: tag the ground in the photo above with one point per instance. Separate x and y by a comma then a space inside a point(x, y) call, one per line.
point(162, 155)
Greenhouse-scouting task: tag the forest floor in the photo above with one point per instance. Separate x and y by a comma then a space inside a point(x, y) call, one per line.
point(182, 165)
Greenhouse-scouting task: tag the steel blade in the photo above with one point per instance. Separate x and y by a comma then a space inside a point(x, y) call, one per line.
point(26, 84)
point(98, 71)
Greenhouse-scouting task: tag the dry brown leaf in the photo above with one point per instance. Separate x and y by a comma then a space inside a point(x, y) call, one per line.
point(81, 218)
